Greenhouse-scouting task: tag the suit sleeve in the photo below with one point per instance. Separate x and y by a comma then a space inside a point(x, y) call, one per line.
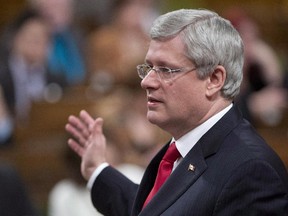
point(112, 193)
point(255, 188)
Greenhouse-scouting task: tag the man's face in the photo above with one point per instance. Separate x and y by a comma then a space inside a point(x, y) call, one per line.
point(179, 105)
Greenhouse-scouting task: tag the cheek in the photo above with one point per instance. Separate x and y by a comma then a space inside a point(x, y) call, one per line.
point(188, 100)
point(178, 101)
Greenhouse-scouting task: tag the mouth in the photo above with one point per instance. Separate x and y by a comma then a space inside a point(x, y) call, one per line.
point(152, 101)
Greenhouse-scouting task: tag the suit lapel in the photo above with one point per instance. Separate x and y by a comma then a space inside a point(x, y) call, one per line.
point(148, 181)
point(184, 177)
point(187, 172)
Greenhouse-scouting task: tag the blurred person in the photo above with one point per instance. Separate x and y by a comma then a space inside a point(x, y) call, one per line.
point(191, 75)
point(65, 58)
point(6, 122)
point(14, 198)
point(120, 153)
point(69, 196)
point(114, 50)
point(23, 71)
point(262, 94)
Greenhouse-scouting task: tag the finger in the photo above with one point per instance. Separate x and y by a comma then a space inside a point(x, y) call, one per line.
point(97, 127)
point(87, 119)
point(76, 134)
point(76, 147)
point(79, 125)
point(97, 131)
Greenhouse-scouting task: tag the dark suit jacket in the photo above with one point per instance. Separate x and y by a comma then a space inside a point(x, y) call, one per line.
point(14, 199)
point(236, 173)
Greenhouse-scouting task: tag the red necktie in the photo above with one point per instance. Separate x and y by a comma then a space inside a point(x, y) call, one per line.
point(164, 170)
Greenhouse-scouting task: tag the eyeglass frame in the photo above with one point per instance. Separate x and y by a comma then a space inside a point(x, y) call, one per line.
point(157, 69)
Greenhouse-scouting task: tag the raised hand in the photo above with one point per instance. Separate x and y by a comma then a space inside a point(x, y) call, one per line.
point(88, 141)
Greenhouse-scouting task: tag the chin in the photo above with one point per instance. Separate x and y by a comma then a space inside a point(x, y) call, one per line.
point(154, 118)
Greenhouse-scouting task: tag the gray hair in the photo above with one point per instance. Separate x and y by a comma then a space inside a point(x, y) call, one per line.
point(210, 41)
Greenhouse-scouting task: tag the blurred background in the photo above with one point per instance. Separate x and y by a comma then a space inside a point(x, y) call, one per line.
point(58, 57)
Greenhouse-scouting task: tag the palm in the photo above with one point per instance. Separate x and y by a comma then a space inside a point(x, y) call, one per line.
point(88, 141)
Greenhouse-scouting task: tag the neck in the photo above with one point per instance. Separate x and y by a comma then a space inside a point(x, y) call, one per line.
point(212, 111)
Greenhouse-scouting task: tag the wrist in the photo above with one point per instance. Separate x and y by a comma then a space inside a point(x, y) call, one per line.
point(95, 174)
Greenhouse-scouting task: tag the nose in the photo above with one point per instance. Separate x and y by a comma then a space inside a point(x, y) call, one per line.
point(152, 80)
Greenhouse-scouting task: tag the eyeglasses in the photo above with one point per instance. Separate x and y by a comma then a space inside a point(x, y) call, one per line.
point(164, 73)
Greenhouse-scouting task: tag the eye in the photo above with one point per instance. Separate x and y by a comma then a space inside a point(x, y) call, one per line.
point(146, 67)
point(164, 70)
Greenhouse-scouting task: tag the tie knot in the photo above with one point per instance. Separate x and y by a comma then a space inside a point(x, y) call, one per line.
point(172, 153)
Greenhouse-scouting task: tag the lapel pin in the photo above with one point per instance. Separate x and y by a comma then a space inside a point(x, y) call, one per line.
point(191, 168)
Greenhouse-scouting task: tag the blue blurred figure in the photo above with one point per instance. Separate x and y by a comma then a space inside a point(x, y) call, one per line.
point(65, 58)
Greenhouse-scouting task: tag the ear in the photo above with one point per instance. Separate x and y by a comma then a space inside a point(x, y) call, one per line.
point(215, 81)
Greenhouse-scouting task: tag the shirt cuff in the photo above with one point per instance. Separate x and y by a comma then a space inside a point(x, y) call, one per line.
point(95, 174)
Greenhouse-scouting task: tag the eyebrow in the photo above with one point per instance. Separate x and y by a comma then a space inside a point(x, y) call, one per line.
point(159, 64)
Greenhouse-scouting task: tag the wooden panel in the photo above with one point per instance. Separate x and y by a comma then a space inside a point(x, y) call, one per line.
point(9, 10)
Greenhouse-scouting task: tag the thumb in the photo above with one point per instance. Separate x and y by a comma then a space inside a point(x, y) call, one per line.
point(96, 126)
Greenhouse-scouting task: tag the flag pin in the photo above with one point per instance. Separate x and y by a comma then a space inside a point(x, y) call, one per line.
point(191, 168)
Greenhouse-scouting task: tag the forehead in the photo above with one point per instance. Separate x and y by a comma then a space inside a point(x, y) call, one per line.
point(33, 27)
point(166, 51)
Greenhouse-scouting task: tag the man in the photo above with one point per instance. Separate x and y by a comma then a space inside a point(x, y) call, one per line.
point(192, 73)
